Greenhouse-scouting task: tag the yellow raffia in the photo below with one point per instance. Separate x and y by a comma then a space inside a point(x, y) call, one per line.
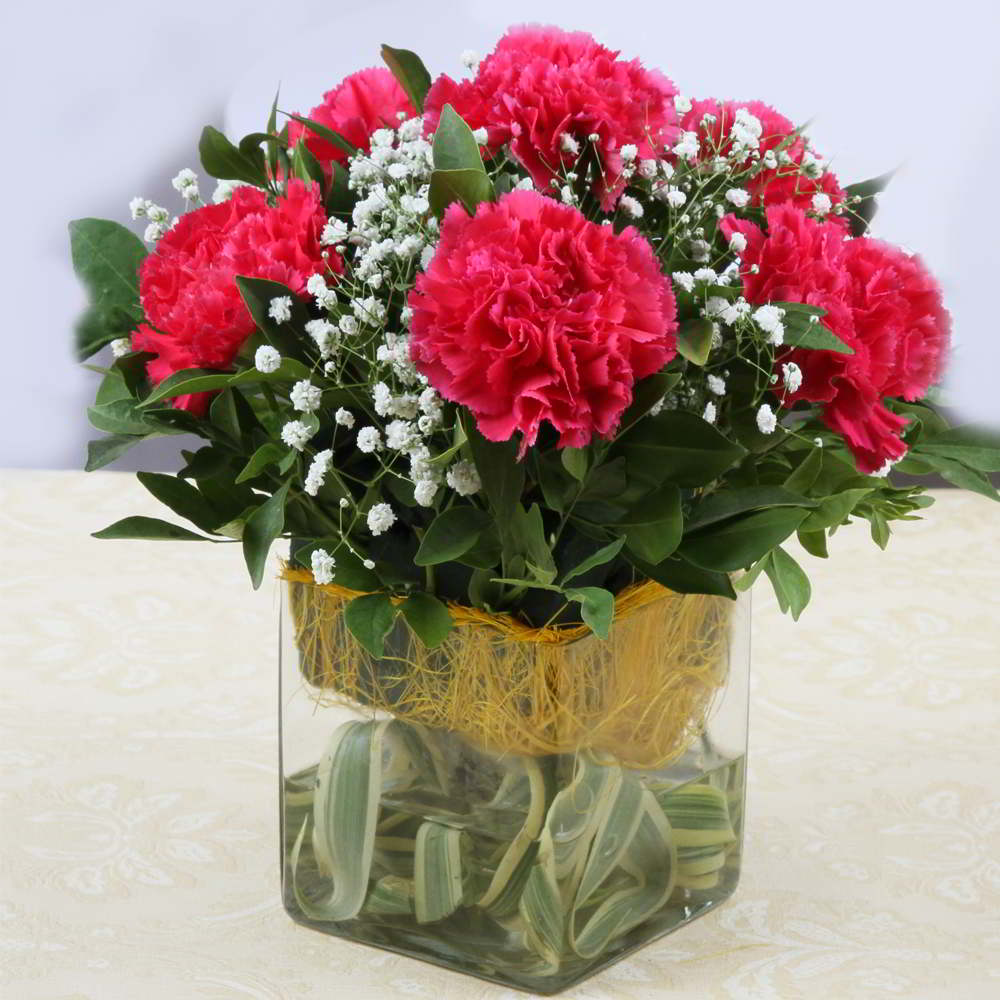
point(643, 695)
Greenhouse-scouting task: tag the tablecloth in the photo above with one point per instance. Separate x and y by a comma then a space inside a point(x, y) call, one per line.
point(138, 799)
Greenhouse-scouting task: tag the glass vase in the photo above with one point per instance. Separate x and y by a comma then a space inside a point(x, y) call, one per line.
point(517, 808)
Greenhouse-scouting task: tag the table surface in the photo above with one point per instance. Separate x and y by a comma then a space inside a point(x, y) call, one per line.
point(138, 783)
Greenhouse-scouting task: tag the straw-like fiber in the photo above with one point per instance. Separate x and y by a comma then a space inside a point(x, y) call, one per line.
point(643, 695)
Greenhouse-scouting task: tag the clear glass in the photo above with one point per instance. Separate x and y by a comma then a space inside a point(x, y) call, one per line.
point(530, 869)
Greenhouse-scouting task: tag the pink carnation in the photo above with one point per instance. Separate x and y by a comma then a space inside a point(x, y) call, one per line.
point(881, 303)
point(196, 315)
point(541, 83)
point(358, 106)
point(773, 186)
point(172, 356)
point(896, 301)
point(530, 312)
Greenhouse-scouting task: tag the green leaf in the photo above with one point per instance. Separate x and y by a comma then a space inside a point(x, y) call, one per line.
point(428, 617)
point(880, 530)
point(575, 462)
point(106, 259)
point(961, 475)
point(804, 475)
point(521, 582)
point(451, 534)
point(599, 558)
point(181, 497)
point(408, 68)
point(525, 538)
point(120, 416)
point(149, 528)
point(191, 380)
point(104, 451)
point(272, 126)
point(224, 415)
point(369, 619)
point(113, 388)
point(263, 526)
point(267, 454)
point(605, 482)
point(814, 542)
point(647, 393)
point(132, 368)
point(470, 187)
point(746, 581)
point(976, 447)
point(501, 474)
point(862, 213)
point(98, 327)
point(597, 608)
point(250, 144)
point(833, 510)
point(924, 421)
point(682, 577)
point(229, 500)
point(306, 167)
point(485, 554)
point(803, 329)
point(654, 525)
point(207, 461)
point(455, 147)
point(223, 160)
point(837, 473)
point(169, 420)
point(257, 294)
point(743, 540)
point(726, 503)
point(334, 138)
point(679, 447)
point(694, 340)
point(791, 585)
point(340, 199)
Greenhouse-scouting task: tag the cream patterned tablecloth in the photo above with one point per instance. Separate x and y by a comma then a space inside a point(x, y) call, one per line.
point(138, 801)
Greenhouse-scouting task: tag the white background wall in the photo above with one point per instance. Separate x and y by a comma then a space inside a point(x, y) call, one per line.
point(105, 100)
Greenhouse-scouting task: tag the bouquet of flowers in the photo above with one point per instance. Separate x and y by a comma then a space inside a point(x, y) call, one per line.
point(519, 340)
point(516, 344)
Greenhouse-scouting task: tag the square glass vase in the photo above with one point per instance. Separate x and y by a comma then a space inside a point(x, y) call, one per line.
point(523, 810)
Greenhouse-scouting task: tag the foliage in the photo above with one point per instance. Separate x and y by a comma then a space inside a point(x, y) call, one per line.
point(690, 490)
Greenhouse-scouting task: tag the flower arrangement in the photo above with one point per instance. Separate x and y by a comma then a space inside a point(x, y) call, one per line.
point(520, 340)
point(520, 353)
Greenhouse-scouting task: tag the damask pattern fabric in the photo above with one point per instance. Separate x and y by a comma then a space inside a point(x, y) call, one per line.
point(138, 778)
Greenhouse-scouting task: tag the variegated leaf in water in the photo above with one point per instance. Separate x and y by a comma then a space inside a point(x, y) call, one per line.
point(699, 860)
point(709, 881)
point(542, 905)
point(650, 859)
point(698, 814)
point(565, 847)
point(420, 759)
point(506, 902)
point(524, 838)
point(345, 809)
point(619, 810)
point(437, 866)
point(391, 896)
point(573, 817)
